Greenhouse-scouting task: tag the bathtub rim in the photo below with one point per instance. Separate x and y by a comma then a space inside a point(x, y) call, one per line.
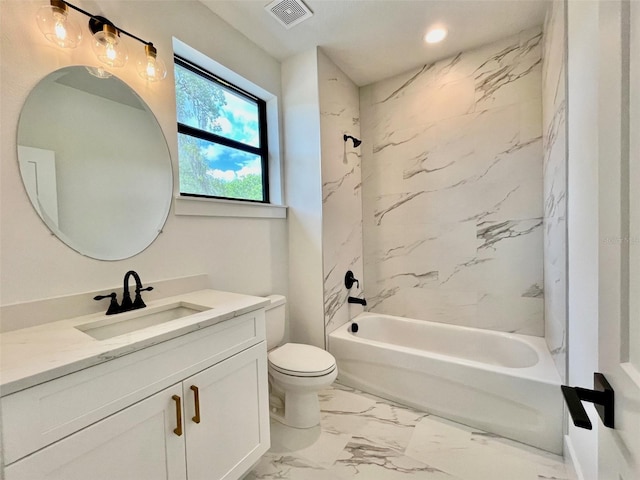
point(543, 371)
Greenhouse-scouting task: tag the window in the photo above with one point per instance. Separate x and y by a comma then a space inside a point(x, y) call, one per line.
point(222, 137)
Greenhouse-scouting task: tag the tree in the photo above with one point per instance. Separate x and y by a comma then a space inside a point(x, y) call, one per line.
point(198, 99)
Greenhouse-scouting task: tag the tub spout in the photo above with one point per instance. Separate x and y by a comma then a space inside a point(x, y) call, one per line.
point(360, 301)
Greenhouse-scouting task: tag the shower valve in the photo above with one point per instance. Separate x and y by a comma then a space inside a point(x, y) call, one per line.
point(349, 280)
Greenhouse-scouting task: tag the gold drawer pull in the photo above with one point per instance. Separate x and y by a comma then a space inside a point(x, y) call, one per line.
point(178, 429)
point(196, 395)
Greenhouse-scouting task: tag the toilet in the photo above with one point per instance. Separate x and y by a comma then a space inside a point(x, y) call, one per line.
point(297, 372)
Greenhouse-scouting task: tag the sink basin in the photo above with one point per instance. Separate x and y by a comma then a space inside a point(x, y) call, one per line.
point(135, 320)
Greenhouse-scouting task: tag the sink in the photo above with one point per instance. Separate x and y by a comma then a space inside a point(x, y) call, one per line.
point(128, 322)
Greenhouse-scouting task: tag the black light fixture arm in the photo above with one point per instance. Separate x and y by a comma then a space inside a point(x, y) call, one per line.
point(97, 21)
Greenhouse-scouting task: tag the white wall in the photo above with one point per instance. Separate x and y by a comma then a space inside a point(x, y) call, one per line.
point(301, 120)
point(582, 217)
point(238, 254)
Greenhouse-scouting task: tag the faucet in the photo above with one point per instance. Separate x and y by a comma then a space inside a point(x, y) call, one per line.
point(127, 304)
point(360, 301)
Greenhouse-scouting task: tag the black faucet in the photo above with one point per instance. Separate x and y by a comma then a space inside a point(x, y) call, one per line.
point(127, 304)
point(360, 301)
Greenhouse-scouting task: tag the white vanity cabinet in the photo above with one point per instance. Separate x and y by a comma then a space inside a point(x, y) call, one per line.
point(192, 407)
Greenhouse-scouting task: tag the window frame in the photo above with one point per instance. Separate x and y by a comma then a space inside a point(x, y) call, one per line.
point(262, 150)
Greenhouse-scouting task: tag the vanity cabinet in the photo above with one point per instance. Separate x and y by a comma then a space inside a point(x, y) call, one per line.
point(212, 423)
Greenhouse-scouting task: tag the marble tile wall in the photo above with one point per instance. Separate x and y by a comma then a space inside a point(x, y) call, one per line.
point(341, 191)
point(452, 189)
point(555, 184)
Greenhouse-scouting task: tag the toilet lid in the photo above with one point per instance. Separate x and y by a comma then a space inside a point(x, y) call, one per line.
point(301, 360)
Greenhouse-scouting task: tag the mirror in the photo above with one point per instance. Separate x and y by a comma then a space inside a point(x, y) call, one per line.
point(95, 163)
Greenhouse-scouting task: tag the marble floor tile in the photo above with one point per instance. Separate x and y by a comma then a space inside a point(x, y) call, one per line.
point(288, 467)
point(361, 436)
point(365, 459)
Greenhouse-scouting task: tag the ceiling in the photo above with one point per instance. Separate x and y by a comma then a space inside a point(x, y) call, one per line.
point(371, 40)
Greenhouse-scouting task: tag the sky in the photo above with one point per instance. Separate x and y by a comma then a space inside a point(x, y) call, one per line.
point(239, 121)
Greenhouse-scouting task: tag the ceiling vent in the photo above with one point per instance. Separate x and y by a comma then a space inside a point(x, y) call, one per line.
point(289, 12)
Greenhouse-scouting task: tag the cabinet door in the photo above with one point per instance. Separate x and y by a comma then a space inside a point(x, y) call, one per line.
point(233, 432)
point(137, 443)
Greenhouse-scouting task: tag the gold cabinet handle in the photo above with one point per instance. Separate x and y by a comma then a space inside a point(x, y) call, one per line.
point(196, 396)
point(178, 429)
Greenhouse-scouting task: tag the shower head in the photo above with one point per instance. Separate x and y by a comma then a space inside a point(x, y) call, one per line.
point(356, 142)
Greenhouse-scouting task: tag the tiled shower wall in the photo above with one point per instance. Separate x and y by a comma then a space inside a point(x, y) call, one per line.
point(554, 141)
point(452, 189)
point(341, 191)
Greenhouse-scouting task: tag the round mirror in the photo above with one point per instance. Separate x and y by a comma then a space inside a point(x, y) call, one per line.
point(95, 163)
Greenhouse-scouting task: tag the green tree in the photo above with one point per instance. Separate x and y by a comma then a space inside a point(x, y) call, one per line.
point(249, 187)
point(198, 99)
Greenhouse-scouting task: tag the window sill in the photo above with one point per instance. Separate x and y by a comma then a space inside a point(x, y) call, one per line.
point(211, 207)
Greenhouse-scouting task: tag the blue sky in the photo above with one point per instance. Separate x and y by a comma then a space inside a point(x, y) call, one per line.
point(239, 121)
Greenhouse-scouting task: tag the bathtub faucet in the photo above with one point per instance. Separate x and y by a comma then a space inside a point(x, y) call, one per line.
point(360, 301)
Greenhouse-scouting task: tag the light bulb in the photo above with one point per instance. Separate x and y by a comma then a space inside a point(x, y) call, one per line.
point(108, 48)
point(150, 67)
point(435, 35)
point(61, 31)
point(111, 52)
point(55, 25)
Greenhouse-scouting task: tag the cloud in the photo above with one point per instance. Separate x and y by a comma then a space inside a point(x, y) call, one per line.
point(251, 168)
point(226, 175)
point(225, 125)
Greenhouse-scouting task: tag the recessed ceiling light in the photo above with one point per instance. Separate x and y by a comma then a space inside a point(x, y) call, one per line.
point(435, 35)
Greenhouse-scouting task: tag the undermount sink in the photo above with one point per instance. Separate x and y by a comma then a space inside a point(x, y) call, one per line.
point(128, 322)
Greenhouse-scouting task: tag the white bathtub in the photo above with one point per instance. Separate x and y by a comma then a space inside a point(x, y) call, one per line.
point(502, 383)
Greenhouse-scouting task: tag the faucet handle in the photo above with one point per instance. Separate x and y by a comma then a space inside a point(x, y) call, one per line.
point(349, 280)
point(138, 302)
point(113, 305)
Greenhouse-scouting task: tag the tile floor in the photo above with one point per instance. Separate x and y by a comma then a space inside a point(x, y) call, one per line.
point(365, 437)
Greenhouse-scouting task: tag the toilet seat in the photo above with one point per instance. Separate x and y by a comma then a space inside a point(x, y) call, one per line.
point(300, 360)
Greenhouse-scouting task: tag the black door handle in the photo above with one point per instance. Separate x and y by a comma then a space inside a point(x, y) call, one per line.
point(602, 396)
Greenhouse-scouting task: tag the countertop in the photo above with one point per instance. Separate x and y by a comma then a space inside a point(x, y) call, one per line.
point(35, 355)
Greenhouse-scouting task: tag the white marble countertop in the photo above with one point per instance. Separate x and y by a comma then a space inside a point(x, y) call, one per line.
point(34, 355)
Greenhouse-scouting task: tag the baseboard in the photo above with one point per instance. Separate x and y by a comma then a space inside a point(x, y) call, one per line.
point(570, 459)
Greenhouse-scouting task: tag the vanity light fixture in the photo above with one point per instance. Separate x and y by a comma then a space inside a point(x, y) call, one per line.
point(106, 42)
point(435, 35)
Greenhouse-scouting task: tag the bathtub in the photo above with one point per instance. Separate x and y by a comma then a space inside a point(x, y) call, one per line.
point(502, 383)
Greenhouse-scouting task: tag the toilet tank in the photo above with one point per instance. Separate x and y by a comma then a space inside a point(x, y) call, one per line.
point(274, 316)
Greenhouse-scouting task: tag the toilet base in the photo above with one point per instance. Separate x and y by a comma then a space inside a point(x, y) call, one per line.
point(300, 410)
point(297, 406)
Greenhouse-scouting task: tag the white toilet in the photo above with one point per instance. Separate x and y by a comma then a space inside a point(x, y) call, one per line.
point(296, 372)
